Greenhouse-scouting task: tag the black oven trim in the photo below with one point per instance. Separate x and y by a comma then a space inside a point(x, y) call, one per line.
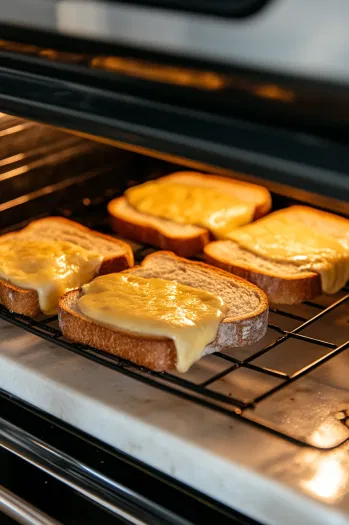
point(226, 8)
point(281, 157)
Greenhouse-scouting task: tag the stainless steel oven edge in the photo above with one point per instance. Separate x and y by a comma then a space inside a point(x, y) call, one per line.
point(110, 495)
point(294, 36)
point(74, 463)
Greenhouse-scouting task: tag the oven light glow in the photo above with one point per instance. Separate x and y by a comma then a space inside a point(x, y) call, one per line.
point(274, 92)
point(328, 480)
point(11, 160)
point(323, 436)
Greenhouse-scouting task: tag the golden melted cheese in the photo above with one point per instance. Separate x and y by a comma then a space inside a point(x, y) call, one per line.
point(187, 204)
point(49, 267)
point(156, 307)
point(277, 239)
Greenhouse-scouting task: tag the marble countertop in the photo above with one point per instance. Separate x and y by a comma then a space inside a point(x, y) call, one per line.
point(251, 470)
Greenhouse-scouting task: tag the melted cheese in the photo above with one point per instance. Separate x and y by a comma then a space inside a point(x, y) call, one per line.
point(49, 267)
point(277, 239)
point(186, 204)
point(156, 307)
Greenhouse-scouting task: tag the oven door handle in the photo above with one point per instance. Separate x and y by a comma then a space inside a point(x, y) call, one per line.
point(113, 497)
point(21, 511)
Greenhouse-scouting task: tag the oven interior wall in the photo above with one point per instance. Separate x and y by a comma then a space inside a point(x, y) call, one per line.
point(44, 170)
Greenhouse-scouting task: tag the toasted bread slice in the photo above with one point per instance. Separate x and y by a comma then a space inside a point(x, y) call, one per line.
point(283, 283)
point(117, 256)
point(323, 221)
point(245, 191)
point(244, 323)
point(184, 240)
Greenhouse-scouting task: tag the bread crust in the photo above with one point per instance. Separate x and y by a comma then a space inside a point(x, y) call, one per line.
point(186, 246)
point(19, 300)
point(26, 302)
point(279, 289)
point(159, 353)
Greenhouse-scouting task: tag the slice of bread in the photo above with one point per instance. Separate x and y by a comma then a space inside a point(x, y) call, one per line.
point(117, 256)
point(244, 323)
point(245, 191)
point(283, 283)
point(184, 240)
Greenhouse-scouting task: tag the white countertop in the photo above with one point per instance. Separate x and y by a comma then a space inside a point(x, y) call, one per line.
point(253, 471)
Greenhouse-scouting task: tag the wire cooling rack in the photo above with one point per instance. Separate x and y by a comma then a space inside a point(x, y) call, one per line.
point(237, 382)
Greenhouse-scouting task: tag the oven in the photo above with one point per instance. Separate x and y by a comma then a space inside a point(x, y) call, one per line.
point(95, 98)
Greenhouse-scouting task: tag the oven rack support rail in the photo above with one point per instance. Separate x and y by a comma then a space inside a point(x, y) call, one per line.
point(200, 393)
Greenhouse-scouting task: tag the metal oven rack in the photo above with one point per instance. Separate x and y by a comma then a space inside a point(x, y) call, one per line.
point(277, 382)
point(225, 381)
